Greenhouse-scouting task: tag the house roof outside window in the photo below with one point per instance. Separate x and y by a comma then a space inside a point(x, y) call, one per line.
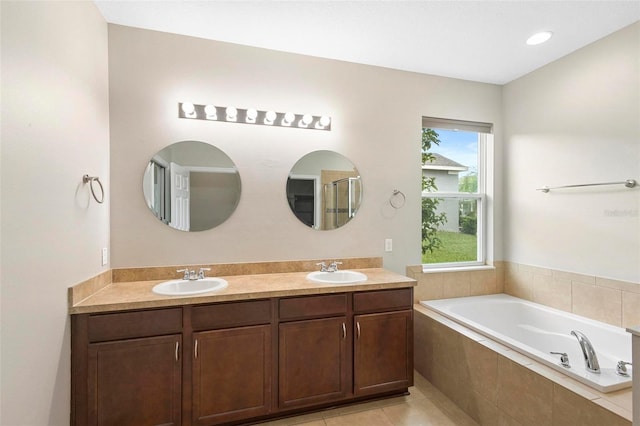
point(440, 162)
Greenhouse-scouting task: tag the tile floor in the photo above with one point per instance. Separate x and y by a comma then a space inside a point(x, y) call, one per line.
point(425, 406)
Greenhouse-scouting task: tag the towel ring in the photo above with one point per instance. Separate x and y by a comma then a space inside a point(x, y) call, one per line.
point(397, 199)
point(90, 180)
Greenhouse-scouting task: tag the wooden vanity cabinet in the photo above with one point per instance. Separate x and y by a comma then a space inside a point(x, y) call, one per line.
point(315, 355)
point(127, 368)
point(314, 350)
point(383, 341)
point(232, 352)
point(233, 362)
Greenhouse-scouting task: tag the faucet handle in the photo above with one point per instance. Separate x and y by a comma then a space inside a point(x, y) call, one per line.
point(621, 368)
point(564, 359)
point(333, 266)
point(323, 266)
point(186, 273)
point(201, 272)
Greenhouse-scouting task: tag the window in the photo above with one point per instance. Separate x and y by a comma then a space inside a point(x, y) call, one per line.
point(454, 195)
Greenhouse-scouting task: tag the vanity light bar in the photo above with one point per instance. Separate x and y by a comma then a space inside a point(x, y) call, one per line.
point(253, 116)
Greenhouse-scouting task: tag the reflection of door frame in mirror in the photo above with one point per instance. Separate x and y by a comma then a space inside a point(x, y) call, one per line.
point(180, 196)
point(155, 184)
point(317, 196)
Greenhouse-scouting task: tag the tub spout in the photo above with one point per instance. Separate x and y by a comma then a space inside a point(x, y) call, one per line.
point(590, 357)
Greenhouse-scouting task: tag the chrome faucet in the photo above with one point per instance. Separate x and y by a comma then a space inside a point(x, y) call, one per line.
point(190, 274)
point(590, 358)
point(333, 266)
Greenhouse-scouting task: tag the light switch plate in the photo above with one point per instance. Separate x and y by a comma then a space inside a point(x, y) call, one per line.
point(105, 256)
point(388, 245)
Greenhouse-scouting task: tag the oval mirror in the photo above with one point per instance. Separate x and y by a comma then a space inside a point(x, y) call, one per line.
point(324, 190)
point(191, 186)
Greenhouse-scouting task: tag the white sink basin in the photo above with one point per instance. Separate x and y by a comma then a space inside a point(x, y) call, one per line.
point(186, 287)
point(338, 277)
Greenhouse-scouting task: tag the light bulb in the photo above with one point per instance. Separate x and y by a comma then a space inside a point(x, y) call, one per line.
point(211, 113)
point(252, 114)
point(306, 119)
point(323, 122)
point(269, 117)
point(539, 38)
point(288, 119)
point(189, 109)
point(232, 113)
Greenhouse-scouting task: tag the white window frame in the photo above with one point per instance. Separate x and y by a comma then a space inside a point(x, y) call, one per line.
point(485, 174)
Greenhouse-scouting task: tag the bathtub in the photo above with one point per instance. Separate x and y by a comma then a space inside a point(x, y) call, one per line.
point(536, 330)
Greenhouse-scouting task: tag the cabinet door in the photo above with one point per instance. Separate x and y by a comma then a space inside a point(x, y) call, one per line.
point(383, 352)
point(231, 374)
point(313, 365)
point(135, 382)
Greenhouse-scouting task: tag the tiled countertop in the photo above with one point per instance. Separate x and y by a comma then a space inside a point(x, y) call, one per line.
point(138, 295)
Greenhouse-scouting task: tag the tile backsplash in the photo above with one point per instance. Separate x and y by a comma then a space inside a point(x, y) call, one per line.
point(610, 301)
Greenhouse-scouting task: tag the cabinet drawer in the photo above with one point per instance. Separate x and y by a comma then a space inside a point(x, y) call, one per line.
point(383, 300)
point(127, 325)
point(313, 306)
point(235, 314)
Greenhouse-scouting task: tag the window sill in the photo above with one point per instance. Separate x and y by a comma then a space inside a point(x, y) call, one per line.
point(458, 269)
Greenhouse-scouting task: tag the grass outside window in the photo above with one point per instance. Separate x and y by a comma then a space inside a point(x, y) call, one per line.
point(456, 247)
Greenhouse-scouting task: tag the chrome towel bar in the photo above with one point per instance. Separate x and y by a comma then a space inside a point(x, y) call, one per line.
point(629, 183)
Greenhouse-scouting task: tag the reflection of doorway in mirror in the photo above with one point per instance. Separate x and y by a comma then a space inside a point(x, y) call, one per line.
point(180, 203)
point(191, 186)
point(303, 199)
point(154, 188)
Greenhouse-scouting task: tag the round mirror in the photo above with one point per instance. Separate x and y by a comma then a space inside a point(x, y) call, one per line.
point(324, 190)
point(191, 186)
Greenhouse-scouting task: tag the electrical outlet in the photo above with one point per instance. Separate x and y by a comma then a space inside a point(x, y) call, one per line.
point(388, 245)
point(105, 256)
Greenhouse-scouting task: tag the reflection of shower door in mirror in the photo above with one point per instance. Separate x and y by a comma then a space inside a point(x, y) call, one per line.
point(179, 197)
point(341, 197)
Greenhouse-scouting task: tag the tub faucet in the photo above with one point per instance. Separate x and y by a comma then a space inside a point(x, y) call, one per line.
point(590, 358)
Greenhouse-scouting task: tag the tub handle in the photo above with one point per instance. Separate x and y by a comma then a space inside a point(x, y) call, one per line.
point(564, 359)
point(621, 368)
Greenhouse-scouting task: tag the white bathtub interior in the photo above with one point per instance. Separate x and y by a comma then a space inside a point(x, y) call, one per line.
point(536, 330)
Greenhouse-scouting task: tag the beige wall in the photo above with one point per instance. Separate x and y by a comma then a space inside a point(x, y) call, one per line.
point(376, 124)
point(576, 121)
point(54, 130)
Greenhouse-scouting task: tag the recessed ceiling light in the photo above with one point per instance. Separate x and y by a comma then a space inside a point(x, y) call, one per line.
point(539, 38)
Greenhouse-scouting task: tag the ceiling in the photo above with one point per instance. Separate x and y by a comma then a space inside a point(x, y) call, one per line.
point(473, 40)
